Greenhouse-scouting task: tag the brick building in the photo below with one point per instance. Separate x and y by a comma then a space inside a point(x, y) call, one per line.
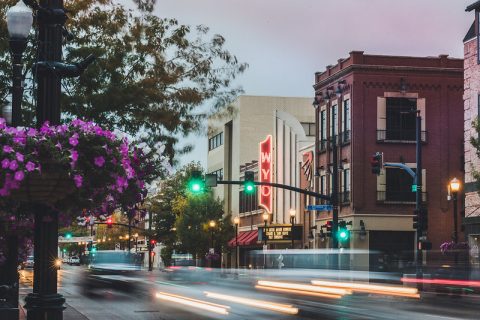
point(472, 111)
point(366, 101)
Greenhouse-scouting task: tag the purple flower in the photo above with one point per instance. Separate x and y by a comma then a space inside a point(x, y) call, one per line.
point(78, 179)
point(99, 161)
point(30, 166)
point(7, 149)
point(13, 165)
point(20, 157)
point(73, 139)
point(5, 163)
point(19, 175)
point(74, 155)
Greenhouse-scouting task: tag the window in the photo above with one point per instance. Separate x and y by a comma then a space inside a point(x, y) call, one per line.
point(215, 141)
point(345, 194)
point(323, 184)
point(400, 124)
point(248, 202)
point(309, 128)
point(399, 185)
point(333, 121)
point(346, 121)
point(322, 134)
point(218, 173)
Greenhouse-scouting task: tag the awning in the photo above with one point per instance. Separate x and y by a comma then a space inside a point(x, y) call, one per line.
point(245, 238)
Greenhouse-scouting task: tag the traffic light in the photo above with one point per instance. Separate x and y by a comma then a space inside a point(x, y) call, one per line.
point(377, 163)
point(420, 220)
point(328, 226)
point(424, 245)
point(153, 242)
point(94, 249)
point(196, 184)
point(109, 222)
point(64, 250)
point(343, 233)
point(68, 235)
point(249, 184)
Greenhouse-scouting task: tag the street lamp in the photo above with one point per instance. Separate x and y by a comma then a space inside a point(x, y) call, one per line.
point(454, 188)
point(236, 221)
point(136, 241)
point(212, 225)
point(293, 213)
point(19, 23)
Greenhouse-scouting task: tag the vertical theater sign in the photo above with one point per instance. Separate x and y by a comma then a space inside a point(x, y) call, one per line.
point(266, 175)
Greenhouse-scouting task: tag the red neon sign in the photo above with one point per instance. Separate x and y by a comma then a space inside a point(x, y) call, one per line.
point(266, 175)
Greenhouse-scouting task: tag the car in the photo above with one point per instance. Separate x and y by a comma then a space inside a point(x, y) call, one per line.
point(112, 269)
point(74, 261)
point(66, 260)
point(29, 262)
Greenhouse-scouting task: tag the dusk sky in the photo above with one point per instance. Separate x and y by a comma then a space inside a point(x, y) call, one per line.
point(286, 41)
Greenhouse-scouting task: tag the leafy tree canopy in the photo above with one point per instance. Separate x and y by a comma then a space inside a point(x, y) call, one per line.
point(150, 78)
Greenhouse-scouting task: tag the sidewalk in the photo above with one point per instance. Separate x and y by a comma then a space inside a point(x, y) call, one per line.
point(69, 313)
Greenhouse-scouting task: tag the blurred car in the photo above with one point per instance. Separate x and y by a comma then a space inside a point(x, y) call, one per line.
point(29, 262)
point(190, 274)
point(74, 261)
point(66, 260)
point(112, 269)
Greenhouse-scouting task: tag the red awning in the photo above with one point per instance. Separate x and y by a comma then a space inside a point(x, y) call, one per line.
point(245, 238)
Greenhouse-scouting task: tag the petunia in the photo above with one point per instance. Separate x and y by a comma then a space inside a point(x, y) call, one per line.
point(78, 179)
point(7, 149)
point(5, 163)
point(74, 155)
point(20, 157)
point(99, 161)
point(73, 140)
point(30, 166)
point(13, 165)
point(19, 175)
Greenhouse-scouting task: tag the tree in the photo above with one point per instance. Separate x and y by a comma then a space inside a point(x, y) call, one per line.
point(150, 78)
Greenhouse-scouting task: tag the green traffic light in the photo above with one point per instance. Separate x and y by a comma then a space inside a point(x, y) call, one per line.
point(343, 234)
point(249, 187)
point(94, 249)
point(196, 187)
point(68, 235)
point(64, 250)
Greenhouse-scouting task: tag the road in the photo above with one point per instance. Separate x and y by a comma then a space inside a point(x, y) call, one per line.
point(142, 303)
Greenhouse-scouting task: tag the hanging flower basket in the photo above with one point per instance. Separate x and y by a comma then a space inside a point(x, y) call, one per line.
point(450, 247)
point(71, 167)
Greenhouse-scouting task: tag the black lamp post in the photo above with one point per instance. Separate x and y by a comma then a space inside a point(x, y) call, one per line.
point(236, 221)
point(454, 188)
point(212, 225)
point(265, 220)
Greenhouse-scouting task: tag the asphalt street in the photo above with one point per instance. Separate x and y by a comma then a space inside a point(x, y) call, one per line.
point(142, 301)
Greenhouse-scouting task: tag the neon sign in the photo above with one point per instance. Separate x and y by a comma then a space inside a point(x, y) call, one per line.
point(266, 162)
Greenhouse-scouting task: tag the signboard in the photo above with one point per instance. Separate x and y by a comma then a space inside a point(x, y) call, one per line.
point(279, 233)
point(75, 239)
point(117, 246)
point(266, 175)
point(307, 167)
point(320, 207)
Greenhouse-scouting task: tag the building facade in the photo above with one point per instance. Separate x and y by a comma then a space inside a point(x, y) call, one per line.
point(368, 103)
point(234, 148)
point(472, 112)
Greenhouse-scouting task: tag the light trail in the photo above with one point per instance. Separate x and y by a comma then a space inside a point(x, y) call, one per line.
point(300, 292)
point(370, 288)
point(204, 305)
point(466, 283)
point(304, 287)
point(284, 308)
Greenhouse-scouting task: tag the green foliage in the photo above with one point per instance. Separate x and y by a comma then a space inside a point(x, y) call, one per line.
point(166, 255)
point(151, 75)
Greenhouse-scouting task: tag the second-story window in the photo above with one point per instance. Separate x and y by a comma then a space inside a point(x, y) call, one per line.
point(399, 185)
point(334, 121)
point(400, 124)
point(346, 125)
point(215, 141)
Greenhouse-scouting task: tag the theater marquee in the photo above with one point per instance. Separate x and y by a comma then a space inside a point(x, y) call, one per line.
point(266, 175)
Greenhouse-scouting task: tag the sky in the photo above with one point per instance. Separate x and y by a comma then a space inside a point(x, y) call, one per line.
point(286, 41)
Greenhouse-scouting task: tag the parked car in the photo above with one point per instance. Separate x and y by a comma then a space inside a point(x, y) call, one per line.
point(66, 260)
point(75, 261)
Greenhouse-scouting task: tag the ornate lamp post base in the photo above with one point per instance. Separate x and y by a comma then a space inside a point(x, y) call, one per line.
point(47, 306)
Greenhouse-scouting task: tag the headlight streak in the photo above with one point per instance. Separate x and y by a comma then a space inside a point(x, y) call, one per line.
point(304, 287)
point(204, 305)
point(370, 288)
point(285, 308)
point(300, 292)
point(466, 283)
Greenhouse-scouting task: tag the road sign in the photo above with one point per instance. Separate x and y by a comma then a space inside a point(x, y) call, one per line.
point(75, 239)
point(320, 207)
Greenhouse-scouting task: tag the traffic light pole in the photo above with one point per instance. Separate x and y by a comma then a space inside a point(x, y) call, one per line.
point(150, 262)
point(418, 196)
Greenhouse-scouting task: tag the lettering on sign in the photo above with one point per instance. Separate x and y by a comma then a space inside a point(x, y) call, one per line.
point(278, 233)
point(266, 163)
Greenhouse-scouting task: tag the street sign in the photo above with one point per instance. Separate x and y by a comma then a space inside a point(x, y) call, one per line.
point(320, 207)
point(74, 239)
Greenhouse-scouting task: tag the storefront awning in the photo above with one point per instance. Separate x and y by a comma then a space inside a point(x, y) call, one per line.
point(245, 238)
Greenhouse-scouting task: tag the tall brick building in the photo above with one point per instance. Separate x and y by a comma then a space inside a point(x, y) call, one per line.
point(472, 111)
point(366, 102)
